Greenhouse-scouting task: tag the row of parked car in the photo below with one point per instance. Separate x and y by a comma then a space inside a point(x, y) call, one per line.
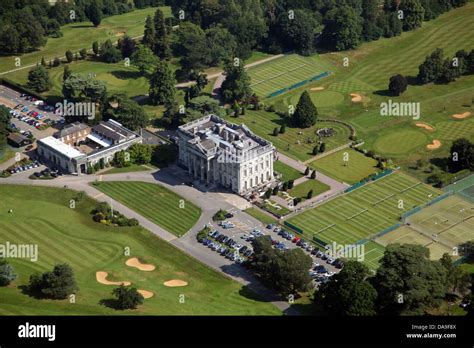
point(227, 247)
point(24, 167)
point(306, 246)
point(30, 117)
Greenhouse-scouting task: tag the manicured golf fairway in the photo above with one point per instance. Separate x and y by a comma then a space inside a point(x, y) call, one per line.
point(42, 216)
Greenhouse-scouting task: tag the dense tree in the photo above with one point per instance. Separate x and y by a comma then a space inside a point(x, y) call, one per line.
point(407, 281)
point(7, 273)
point(462, 155)
point(191, 47)
point(342, 28)
point(161, 47)
point(109, 53)
point(305, 114)
point(20, 32)
point(140, 153)
point(397, 84)
point(83, 53)
point(432, 68)
point(126, 111)
point(94, 13)
point(69, 56)
point(236, 86)
point(348, 293)
point(457, 279)
point(58, 284)
point(77, 85)
point(144, 59)
point(162, 85)
point(298, 32)
point(287, 272)
point(38, 79)
point(127, 298)
point(220, 46)
point(413, 14)
point(126, 46)
point(95, 47)
point(149, 35)
point(67, 72)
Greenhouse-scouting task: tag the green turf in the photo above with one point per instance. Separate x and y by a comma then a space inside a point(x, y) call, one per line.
point(288, 173)
point(42, 216)
point(117, 77)
point(301, 190)
point(358, 166)
point(156, 203)
point(6, 153)
point(129, 169)
point(365, 211)
point(284, 72)
point(295, 142)
point(261, 216)
point(82, 34)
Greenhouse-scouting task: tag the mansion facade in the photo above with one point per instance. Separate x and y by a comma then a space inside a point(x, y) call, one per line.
point(215, 151)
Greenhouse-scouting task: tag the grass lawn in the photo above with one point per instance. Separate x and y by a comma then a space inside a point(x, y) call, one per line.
point(155, 202)
point(82, 34)
point(6, 154)
point(302, 189)
point(295, 142)
point(271, 208)
point(259, 215)
point(42, 216)
point(288, 173)
point(358, 166)
point(365, 211)
point(117, 77)
point(129, 169)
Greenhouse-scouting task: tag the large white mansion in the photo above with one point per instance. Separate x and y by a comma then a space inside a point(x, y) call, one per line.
point(215, 151)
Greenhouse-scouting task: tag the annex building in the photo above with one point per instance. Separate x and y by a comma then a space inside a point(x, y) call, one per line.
point(215, 151)
point(78, 145)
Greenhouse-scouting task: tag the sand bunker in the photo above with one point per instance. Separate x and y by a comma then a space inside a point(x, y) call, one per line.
point(175, 282)
point(317, 88)
point(425, 126)
point(135, 263)
point(145, 293)
point(356, 98)
point(435, 145)
point(102, 279)
point(461, 116)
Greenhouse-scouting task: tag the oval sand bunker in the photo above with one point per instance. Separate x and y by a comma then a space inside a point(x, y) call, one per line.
point(102, 279)
point(145, 293)
point(434, 145)
point(356, 98)
point(175, 282)
point(425, 126)
point(135, 263)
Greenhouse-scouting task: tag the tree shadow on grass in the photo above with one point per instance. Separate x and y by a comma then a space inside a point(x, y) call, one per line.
point(413, 80)
point(126, 75)
point(110, 303)
point(82, 26)
point(26, 290)
point(440, 162)
point(384, 93)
